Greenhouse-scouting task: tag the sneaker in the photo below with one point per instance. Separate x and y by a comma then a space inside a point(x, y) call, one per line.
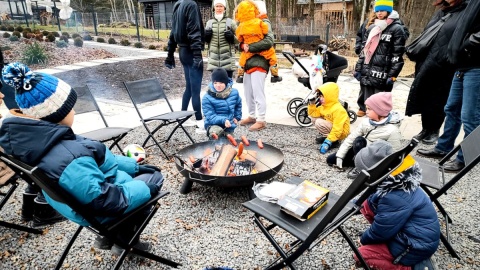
point(259, 125)
point(360, 113)
point(239, 79)
point(421, 135)
point(44, 214)
point(200, 127)
point(353, 173)
point(144, 246)
point(247, 121)
point(189, 123)
point(275, 79)
point(453, 166)
point(431, 153)
point(102, 243)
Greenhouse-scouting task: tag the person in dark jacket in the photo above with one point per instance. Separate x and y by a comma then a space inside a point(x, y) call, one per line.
point(382, 57)
point(404, 228)
point(40, 134)
point(433, 73)
point(463, 102)
point(188, 33)
point(222, 105)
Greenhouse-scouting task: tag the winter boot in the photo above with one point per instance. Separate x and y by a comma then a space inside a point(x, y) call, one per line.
point(29, 196)
point(44, 214)
point(275, 78)
point(240, 73)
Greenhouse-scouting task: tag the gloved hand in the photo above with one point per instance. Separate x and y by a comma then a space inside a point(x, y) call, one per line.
point(147, 169)
point(208, 35)
point(357, 75)
point(197, 59)
point(325, 146)
point(339, 163)
point(170, 61)
point(391, 80)
point(229, 36)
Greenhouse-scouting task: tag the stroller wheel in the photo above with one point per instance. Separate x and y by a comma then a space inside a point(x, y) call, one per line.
point(293, 105)
point(301, 116)
point(352, 115)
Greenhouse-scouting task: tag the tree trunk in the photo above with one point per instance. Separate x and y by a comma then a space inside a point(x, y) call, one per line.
point(345, 22)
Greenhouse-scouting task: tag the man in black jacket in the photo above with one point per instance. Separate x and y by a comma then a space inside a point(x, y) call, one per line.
point(189, 34)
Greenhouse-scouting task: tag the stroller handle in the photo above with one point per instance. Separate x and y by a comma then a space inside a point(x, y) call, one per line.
point(292, 58)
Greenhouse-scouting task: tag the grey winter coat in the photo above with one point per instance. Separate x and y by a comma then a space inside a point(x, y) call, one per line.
point(220, 52)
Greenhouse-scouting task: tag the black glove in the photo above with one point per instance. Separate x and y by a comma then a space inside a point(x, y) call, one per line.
point(147, 169)
point(197, 59)
point(154, 189)
point(229, 36)
point(170, 61)
point(208, 35)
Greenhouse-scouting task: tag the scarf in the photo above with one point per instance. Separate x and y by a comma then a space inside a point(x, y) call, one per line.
point(407, 178)
point(381, 122)
point(375, 34)
point(222, 95)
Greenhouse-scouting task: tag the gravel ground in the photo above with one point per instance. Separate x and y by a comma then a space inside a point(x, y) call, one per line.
point(209, 226)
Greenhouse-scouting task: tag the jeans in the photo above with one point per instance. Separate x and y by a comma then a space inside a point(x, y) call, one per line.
point(462, 108)
point(193, 80)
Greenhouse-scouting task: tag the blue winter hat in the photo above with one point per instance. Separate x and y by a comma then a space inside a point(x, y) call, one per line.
point(40, 95)
point(384, 5)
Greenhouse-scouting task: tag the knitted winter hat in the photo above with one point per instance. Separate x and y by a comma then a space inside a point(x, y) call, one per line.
point(373, 153)
point(381, 103)
point(220, 75)
point(223, 2)
point(384, 5)
point(40, 95)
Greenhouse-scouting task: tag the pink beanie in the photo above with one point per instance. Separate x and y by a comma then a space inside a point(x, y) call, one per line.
point(381, 103)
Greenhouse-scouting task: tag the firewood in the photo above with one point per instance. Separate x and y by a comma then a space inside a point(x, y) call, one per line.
point(227, 153)
point(249, 155)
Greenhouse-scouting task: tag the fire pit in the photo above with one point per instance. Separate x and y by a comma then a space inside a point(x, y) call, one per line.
point(266, 163)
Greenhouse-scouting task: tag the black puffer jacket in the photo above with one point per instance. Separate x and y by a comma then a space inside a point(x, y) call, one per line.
point(433, 72)
point(387, 61)
point(361, 35)
point(187, 26)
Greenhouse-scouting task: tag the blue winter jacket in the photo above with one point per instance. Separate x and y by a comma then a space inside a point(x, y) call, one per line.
point(217, 110)
point(86, 169)
point(404, 217)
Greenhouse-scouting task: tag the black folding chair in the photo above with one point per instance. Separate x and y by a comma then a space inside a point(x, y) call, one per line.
point(86, 103)
point(57, 193)
point(148, 90)
point(434, 178)
point(12, 185)
point(328, 219)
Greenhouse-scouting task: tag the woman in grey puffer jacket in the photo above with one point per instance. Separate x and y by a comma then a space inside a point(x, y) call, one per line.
point(220, 36)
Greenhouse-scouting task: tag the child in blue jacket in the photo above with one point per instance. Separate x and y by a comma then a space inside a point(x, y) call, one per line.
point(221, 105)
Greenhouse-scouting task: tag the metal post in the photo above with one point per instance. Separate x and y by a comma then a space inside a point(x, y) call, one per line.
point(136, 22)
point(94, 20)
point(25, 13)
point(76, 23)
point(11, 11)
point(327, 34)
point(38, 14)
point(58, 19)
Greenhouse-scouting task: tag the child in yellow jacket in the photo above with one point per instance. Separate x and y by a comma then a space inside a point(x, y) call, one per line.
point(330, 117)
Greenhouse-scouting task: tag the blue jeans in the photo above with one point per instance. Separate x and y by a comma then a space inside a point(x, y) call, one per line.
point(462, 108)
point(193, 80)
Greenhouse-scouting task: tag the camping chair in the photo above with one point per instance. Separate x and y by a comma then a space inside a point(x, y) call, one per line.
point(329, 218)
point(434, 178)
point(12, 185)
point(86, 103)
point(148, 90)
point(57, 193)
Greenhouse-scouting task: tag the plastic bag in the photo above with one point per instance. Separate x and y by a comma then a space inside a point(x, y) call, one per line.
point(271, 192)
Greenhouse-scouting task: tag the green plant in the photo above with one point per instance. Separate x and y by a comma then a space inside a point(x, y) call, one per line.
point(112, 41)
point(45, 33)
point(3, 27)
point(10, 28)
point(56, 34)
point(75, 35)
point(101, 40)
point(66, 34)
point(51, 37)
point(138, 45)
point(16, 33)
point(87, 37)
point(28, 29)
point(64, 38)
point(34, 54)
point(152, 47)
point(19, 29)
point(6, 35)
point(125, 42)
point(61, 44)
point(78, 42)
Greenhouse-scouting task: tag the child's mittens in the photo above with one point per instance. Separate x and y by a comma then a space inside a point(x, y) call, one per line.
point(391, 80)
point(325, 146)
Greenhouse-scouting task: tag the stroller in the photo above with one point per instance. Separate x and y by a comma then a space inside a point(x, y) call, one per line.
point(333, 65)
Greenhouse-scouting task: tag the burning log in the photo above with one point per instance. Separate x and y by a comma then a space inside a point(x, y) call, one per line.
point(221, 167)
point(249, 155)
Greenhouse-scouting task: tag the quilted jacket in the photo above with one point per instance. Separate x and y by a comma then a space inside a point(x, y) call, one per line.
point(86, 169)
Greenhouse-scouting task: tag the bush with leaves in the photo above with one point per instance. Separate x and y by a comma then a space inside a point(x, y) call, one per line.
point(61, 44)
point(34, 54)
point(56, 34)
point(66, 34)
point(100, 40)
point(25, 34)
point(112, 41)
point(10, 28)
point(64, 38)
point(75, 35)
point(16, 33)
point(45, 33)
point(39, 37)
point(6, 35)
point(28, 29)
point(13, 38)
point(78, 42)
point(138, 45)
point(19, 29)
point(87, 37)
point(152, 47)
point(3, 27)
point(125, 42)
point(50, 37)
